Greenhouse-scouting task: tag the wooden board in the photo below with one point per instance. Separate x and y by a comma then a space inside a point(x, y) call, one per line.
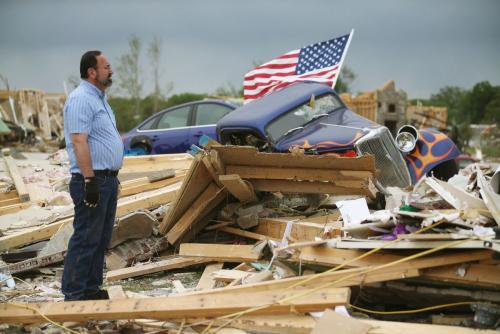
point(148, 163)
point(472, 274)
point(239, 188)
point(341, 278)
point(195, 182)
point(249, 156)
point(334, 256)
point(147, 186)
point(202, 205)
point(275, 228)
point(144, 269)
point(229, 253)
point(370, 244)
point(228, 275)
point(207, 282)
point(15, 174)
point(365, 188)
point(246, 234)
point(310, 174)
point(176, 306)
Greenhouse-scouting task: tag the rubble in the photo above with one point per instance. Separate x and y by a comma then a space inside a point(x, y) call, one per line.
point(274, 243)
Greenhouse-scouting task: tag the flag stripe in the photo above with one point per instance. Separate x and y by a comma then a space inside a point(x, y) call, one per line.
point(318, 62)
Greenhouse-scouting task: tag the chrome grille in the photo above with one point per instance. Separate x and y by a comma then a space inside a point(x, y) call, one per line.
point(392, 170)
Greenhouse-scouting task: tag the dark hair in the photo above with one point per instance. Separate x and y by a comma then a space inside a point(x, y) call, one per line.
point(89, 60)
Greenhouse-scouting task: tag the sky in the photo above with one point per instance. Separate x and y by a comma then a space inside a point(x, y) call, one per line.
point(423, 45)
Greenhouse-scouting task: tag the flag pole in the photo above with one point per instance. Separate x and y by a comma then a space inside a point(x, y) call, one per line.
point(343, 57)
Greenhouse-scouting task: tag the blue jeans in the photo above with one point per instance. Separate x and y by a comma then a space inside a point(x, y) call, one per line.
point(84, 261)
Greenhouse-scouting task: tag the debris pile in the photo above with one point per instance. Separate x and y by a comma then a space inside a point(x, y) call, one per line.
point(237, 240)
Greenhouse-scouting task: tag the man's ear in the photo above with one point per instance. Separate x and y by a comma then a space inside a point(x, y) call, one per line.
point(91, 72)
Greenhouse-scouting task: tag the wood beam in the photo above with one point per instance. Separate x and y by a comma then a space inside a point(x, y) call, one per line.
point(239, 188)
point(175, 307)
point(207, 282)
point(310, 174)
point(15, 174)
point(144, 269)
point(228, 253)
point(365, 188)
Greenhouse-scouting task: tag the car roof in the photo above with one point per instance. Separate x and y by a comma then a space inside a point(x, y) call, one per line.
point(226, 103)
point(259, 112)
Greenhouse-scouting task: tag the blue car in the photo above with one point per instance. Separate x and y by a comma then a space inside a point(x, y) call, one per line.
point(312, 117)
point(173, 130)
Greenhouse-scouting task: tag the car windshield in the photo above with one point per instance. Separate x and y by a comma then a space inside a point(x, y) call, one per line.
point(299, 116)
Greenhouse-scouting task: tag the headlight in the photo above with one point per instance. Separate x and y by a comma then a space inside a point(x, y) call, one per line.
point(406, 138)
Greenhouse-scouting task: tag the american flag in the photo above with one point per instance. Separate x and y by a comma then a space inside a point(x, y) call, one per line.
point(318, 62)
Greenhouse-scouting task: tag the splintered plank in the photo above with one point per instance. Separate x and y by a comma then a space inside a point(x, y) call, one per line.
point(195, 182)
point(472, 274)
point(144, 269)
point(148, 185)
point(354, 187)
point(173, 307)
point(311, 174)
point(228, 253)
point(246, 234)
point(333, 256)
point(249, 156)
point(207, 281)
point(160, 162)
point(206, 202)
point(239, 188)
point(301, 231)
point(21, 188)
point(341, 278)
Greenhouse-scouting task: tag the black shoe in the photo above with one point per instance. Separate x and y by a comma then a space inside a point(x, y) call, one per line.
point(98, 295)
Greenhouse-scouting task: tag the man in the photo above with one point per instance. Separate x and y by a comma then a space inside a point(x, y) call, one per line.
point(95, 152)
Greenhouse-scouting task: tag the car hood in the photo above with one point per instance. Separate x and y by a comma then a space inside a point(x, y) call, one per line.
point(338, 131)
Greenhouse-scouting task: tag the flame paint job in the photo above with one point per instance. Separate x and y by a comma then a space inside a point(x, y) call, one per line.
point(432, 148)
point(330, 143)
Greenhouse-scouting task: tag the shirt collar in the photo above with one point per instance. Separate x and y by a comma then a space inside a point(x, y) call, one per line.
point(92, 88)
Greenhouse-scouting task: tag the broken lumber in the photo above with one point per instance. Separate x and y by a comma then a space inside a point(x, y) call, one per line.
point(207, 282)
point(223, 253)
point(195, 182)
point(206, 202)
point(310, 174)
point(470, 274)
point(365, 188)
point(173, 307)
point(149, 268)
point(239, 188)
point(21, 188)
point(333, 256)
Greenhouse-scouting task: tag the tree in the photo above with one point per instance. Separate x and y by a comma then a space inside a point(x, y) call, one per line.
point(474, 103)
point(154, 53)
point(345, 80)
point(229, 90)
point(128, 72)
point(450, 97)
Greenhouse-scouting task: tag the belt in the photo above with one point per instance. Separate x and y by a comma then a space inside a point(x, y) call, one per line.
point(100, 172)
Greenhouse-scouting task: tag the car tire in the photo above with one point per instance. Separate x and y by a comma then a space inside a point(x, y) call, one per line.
point(444, 171)
point(142, 147)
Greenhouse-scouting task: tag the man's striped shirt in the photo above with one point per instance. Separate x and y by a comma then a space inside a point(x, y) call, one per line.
point(87, 111)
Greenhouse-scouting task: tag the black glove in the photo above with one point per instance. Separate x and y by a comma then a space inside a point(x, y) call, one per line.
point(91, 192)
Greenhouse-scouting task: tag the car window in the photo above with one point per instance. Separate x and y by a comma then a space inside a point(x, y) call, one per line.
point(210, 113)
point(174, 119)
point(302, 114)
point(149, 124)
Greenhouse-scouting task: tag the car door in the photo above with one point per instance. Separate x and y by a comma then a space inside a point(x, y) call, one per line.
point(171, 133)
point(206, 116)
